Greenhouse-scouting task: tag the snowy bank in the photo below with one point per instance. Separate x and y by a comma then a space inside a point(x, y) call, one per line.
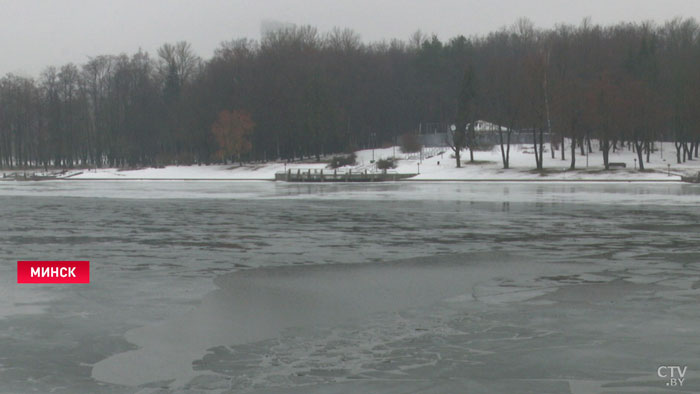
point(438, 164)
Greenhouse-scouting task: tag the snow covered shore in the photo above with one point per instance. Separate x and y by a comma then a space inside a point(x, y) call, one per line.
point(437, 164)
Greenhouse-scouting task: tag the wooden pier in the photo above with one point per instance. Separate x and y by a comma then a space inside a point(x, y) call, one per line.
point(691, 178)
point(320, 175)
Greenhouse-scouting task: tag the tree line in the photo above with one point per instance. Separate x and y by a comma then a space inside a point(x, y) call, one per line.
point(298, 94)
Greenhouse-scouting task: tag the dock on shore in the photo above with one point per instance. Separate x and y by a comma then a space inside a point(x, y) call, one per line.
point(319, 175)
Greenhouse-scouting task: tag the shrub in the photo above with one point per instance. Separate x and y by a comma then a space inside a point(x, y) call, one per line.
point(340, 161)
point(410, 143)
point(385, 164)
point(483, 146)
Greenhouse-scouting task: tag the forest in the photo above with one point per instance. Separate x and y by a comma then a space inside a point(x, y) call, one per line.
point(299, 93)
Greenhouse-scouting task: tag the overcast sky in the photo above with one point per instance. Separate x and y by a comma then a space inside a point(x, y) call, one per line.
point(38, 33)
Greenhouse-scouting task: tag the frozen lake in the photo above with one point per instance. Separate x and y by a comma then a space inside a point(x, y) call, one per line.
point(262, 287)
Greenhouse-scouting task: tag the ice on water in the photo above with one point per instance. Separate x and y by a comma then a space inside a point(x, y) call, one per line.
point(353, 288)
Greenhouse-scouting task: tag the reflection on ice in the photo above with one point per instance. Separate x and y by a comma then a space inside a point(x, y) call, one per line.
point(600, 193)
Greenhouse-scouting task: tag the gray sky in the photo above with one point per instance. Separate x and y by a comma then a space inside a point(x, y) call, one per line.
point(38, 33)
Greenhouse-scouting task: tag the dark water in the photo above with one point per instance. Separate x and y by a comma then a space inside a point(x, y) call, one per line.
point(261, 287)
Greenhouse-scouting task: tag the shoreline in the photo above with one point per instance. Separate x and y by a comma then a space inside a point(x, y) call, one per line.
point(407, 180)
point(431, 167)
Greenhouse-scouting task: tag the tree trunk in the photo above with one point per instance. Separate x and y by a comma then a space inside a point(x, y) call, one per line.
point(472, 136)
point(573, 154)
point(508, 147)
point(539, 165)
point(551, 144)
point(648, 151)
point(638, 146)
point(503, 151)
point(605, 147)
point(563, 150)
point(534, 145)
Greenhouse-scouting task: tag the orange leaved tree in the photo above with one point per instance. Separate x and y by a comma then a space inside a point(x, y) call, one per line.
point(232, 131)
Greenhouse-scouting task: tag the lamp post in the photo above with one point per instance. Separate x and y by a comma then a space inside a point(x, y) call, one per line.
point(418, 168)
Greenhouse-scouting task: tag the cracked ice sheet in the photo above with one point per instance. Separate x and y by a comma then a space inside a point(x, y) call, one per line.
point(420, 324)
point(570, 344)
point(255, 305)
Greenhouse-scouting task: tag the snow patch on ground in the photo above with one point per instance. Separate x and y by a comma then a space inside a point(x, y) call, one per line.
point(437, 164)
point(229, 172)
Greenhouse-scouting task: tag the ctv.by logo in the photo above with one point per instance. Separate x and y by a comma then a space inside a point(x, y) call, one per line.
point(674, 373)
